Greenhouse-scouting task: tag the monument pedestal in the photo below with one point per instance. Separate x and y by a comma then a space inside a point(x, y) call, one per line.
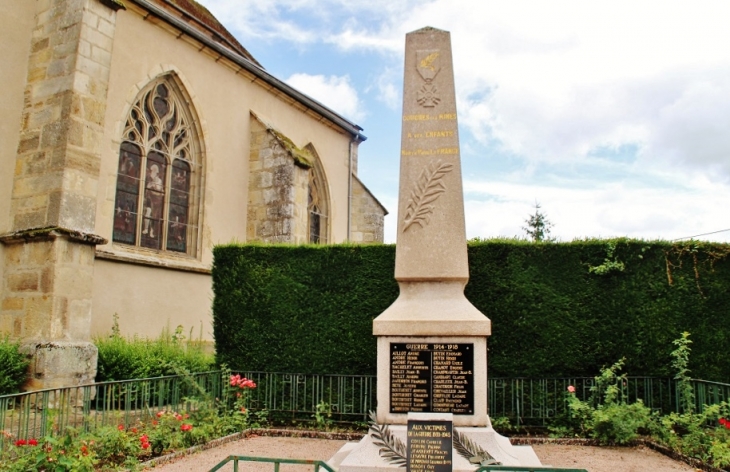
point(364, 456)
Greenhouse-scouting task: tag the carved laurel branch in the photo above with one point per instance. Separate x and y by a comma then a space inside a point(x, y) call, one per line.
point(392, 449)
point(428, 188)
point(472, 452)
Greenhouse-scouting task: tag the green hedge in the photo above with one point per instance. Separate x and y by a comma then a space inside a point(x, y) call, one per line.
point(557, 309)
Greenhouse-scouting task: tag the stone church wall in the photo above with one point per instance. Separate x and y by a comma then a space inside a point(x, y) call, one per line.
point(367, 215)
point(71, 77)
point(222, 97)
point(16, 26)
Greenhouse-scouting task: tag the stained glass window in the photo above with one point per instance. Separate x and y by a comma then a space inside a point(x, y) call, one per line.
point(317, 208)
point(158, 180)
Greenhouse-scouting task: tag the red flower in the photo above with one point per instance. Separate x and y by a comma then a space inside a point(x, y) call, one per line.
point(144, 438)
point(160, 413)
point(145, 445)
point(134, 430)
point(155, 423)
point(186, 427)
point(120, 427)
point(32, 442)
point(21, 442)
point(84, 450)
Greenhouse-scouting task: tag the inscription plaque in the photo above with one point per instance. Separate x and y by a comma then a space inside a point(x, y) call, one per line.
point(430, 446)
point(432, 378)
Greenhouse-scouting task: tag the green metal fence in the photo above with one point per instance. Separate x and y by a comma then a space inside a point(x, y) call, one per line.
point(536, 401)
point(42, 412)
point(276, 461)
point(287, 396)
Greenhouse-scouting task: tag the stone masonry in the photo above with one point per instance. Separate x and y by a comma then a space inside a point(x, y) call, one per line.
point(367, 215)
point(47, 286)
point(278, 187)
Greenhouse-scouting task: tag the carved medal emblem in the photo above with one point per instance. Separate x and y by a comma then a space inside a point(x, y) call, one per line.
point(428, 63)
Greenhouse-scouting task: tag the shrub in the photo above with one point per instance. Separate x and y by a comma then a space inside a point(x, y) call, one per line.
point(13, 366)
point(605, 415)
point(121, 358)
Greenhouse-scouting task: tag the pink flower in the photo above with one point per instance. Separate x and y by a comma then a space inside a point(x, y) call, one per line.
point(571, 389)
point(160, 414)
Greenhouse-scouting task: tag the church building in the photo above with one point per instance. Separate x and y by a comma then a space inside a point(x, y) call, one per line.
point(135, 135)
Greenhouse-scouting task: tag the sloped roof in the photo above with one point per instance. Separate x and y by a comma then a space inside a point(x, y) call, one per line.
point(202, 19)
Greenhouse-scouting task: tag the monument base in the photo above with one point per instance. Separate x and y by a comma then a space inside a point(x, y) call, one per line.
point(364, 456)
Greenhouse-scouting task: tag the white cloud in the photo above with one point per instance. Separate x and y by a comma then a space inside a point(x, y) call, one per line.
point(617, 209)
point(547, 84)
point(335, 92)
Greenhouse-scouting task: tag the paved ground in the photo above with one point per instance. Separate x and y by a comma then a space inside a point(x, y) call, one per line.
point(594, 459)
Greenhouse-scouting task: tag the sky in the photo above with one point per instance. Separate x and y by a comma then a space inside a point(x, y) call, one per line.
point(613, 116)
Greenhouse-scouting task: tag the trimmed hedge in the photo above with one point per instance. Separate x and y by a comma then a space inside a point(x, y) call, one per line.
point(557, 309)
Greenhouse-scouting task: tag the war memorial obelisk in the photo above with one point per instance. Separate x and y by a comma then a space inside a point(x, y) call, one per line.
point(432, 342)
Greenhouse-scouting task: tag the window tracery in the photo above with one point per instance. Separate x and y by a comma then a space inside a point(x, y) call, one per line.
point(158, 180)
point(317, 205)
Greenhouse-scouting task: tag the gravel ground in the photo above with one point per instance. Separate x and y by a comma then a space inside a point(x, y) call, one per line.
point(593, 459)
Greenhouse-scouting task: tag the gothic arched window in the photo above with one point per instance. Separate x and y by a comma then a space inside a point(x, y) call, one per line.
point(158, 180)
point(317, 207)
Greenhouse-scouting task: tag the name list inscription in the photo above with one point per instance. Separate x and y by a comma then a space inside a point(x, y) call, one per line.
point(430, 446)
point(432, 378)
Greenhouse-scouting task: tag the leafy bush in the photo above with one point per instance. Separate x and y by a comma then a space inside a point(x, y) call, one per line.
point(605, 416)
point(122, 358)
point(704, 435)
point(13, 366)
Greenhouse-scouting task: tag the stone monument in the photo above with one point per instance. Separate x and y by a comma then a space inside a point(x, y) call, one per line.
point(432, 342)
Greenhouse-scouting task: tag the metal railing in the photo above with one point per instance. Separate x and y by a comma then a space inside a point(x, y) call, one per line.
point(43, 412)
point(276, 461)
point(300, 397)
point(536, 401)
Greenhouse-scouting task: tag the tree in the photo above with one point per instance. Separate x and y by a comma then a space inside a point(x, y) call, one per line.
point(538, 226)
